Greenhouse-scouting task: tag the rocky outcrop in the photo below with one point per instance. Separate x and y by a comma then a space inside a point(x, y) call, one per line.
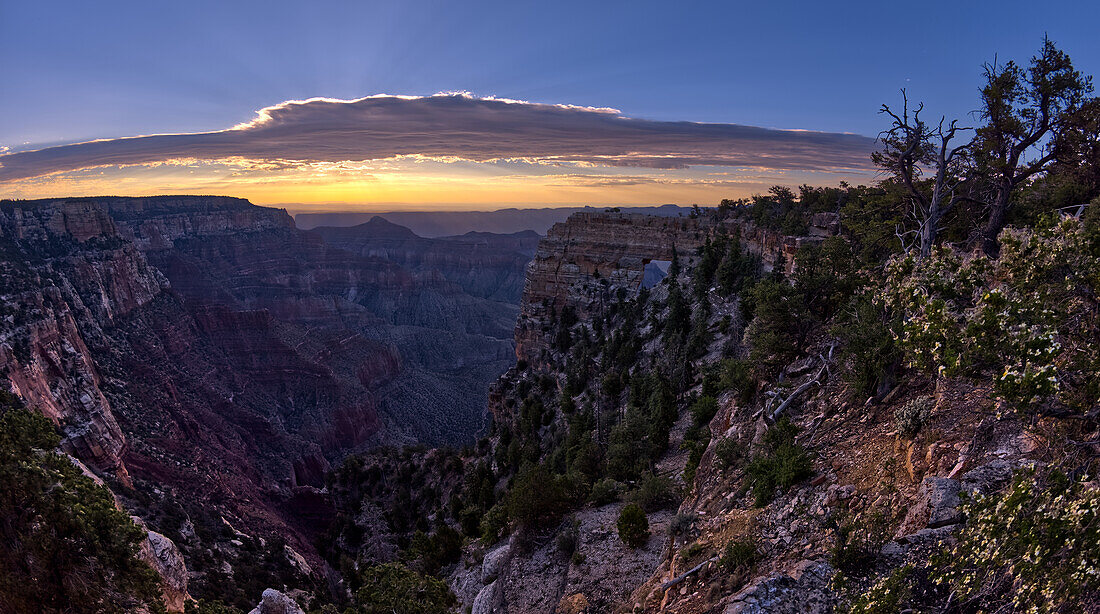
point(582, 262)
point(275, 602)
point(804, 590)
point(66, 276)
point(155, 223)
point(165, 558)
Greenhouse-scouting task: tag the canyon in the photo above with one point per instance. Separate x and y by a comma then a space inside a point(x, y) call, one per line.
point(255, 393)
point(204, 355)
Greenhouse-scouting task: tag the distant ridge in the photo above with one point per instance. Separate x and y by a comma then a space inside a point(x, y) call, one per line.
point(433, 224)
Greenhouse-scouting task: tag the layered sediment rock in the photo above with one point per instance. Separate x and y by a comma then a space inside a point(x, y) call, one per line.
point(583, 261)
point(66, 275)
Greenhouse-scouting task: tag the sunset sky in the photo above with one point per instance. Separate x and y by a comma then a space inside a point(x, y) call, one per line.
point(421, 105)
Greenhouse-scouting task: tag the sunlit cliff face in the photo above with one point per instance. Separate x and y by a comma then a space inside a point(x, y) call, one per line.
point(447, 150)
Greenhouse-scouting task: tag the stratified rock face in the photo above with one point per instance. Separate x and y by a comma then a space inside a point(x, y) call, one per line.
point(483, 264)
point(154, 223)
point(582, 262)
point(210, 350)
point(65, 276)
point(425, 348)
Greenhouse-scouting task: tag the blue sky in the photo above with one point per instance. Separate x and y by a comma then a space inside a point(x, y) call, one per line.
point(75, 71)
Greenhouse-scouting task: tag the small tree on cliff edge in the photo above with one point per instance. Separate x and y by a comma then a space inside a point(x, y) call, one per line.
point(1025, 112)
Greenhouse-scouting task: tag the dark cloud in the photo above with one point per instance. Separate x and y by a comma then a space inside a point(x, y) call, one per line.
point(461, 126)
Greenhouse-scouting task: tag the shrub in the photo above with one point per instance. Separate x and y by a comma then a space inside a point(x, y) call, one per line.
point(394, 588)
point(737, 375)
point(65, 545)
point(681, 524)
point(633, 526)
point(629, 449)
point(695, 442)
point(654, 493)
point(728, 452)
point(538, 497)
point(784, 463)
point(776, 333)
point(567, 539)
point(703, 409)
point(605, 491)
point(1023, 549)
point(824, 275)
point(867, 346)
point(494, 523)
point(738, 553)
point(691, 551)
point(887, 596)
point(909, 418)
point(858, 545)
point(1024, 316)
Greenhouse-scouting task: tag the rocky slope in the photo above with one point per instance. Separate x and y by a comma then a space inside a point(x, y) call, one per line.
point(884, 481)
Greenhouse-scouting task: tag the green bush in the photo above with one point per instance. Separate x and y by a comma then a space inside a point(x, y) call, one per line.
point(867, 348)
point(858, 544)
point(703, 409)
point(654, 493)
point(494, 523)
point(566, 541)
point(739, 553)
point(392, 588)
point(782, 465)
point(728, 452)
point(65, 547)
point(1024, 316)
point(681, 524)
point(1035, 544)
point(538, 496)
point(737, 375)
point(605, 491)
point(909, 418)
point(777, 331)
point(633, 526)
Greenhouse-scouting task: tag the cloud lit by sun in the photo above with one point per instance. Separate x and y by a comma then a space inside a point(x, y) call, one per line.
point(444, 150)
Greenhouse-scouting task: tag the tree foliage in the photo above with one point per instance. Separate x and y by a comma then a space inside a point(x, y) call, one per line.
point(64, 546)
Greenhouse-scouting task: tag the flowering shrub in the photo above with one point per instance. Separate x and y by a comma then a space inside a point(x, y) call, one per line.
point(1034, 546)
point(909, 418)
point(1014, 315)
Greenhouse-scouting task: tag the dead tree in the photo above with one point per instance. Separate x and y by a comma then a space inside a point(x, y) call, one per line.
point(910, 146)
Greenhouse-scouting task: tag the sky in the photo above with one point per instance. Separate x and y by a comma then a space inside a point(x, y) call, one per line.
point(481, 105)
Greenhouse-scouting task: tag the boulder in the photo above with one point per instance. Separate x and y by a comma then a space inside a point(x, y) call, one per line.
point(576, 603)
point(487, 600)
point(162, 555)
point(275, 602)
point(937, 505)
point(494, 562)
point(804, 589)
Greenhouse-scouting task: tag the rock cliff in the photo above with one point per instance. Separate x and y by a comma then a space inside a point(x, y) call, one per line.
point(484, 264)
point(213, 362)
point(582, 262)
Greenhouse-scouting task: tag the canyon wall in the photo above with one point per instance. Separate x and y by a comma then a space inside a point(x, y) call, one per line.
point(206, 353)
point(583, 261)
